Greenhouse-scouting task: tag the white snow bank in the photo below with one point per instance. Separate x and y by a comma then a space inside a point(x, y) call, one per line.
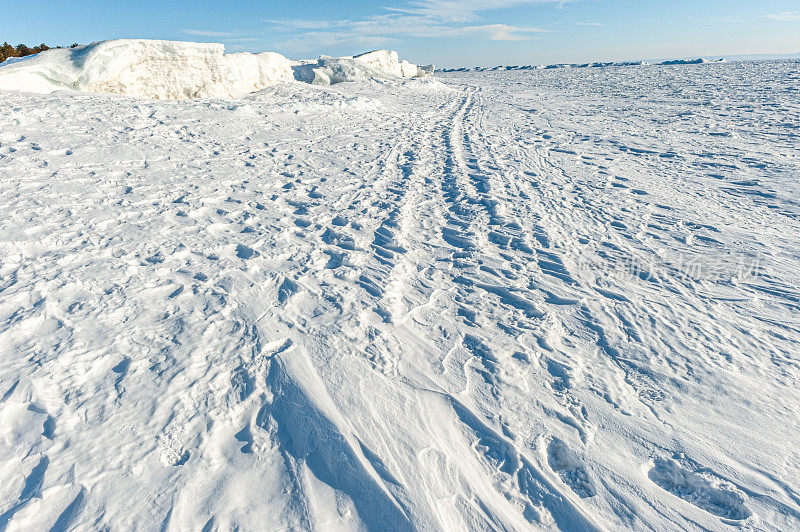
point(147, 68)
point(389, 62)
point(376, 64)
point(178, 70)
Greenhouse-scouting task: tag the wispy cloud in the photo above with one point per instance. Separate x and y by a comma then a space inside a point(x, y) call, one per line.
point(463, 10)
point(589, 24)
point(243, 39)
point(500, 32)
point(311, 24)
point(728, 20)
point(203, 33)
point(391, 27)
point(417, 19)
point(786, 16)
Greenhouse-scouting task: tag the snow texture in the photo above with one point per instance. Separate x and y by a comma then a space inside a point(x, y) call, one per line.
point(522, 300)
point(181, 70)
point(379, 64)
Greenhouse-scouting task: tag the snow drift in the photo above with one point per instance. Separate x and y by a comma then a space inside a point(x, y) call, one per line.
point(389, 62)
point(376, 64)
point(179, 70)
point(504, 302)
point(152, 69)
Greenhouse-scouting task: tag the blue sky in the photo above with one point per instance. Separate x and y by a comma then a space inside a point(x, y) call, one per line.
point(445, 32)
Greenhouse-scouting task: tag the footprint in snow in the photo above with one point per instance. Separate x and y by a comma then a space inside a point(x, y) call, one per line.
point(245, 252)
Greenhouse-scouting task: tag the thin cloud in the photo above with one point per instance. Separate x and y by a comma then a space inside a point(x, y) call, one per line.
point(299, 24)
point(419, 19)
point(392, 27)
point(786, 16)
point(463, 10)
point(315, 40)
point(499, 32)
point(203, 33)
point(589, 24)
point(728, 20)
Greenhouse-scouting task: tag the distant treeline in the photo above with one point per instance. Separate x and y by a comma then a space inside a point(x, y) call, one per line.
point(22, 50)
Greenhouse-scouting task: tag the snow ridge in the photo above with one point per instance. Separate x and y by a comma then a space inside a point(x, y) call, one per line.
point(172, 70)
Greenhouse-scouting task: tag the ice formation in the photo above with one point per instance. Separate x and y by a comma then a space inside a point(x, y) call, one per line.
point(376, 64)
point(179, 70)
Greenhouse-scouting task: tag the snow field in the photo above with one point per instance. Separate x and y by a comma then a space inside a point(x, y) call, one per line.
point(483, 301)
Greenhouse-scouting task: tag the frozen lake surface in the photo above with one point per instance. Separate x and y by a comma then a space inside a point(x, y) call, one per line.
point(562, 299)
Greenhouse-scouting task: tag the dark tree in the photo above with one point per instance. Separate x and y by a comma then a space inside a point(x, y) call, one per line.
point(21, 50)
point(7, 51)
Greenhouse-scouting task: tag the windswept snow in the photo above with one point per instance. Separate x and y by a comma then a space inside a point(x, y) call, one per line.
point(180, 70)
point(388, 61)
point(546, 299)
point(597, 64)
point(381, 64)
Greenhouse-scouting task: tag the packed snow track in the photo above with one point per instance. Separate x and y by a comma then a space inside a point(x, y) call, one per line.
point(506, 301)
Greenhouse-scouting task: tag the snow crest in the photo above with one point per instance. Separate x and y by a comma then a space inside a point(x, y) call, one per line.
point(174, 70)
point(376, 64)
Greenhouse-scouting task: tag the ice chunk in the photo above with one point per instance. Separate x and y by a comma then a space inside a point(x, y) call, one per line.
point(178, 70)
point(376, 64)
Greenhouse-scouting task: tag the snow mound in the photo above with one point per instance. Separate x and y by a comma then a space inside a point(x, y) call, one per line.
point(389, 62)
point(147, 68)
point(380, 64)
point(179, 70)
